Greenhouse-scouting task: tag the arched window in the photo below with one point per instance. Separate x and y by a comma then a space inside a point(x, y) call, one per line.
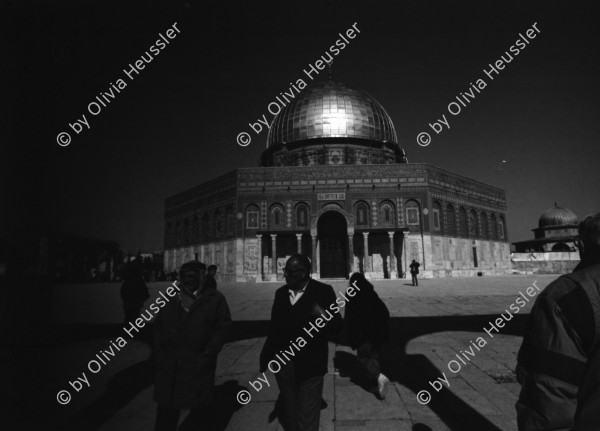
point(196, 228)
point(412, 213)
point(493, 228)
point(276, 216)
point(252, 214)
point(302, 216)
point(362, 214)
point(205, 229)
point(473, 228)
point(484, 226)
point(230, 221)
point(501, 228)
point(179, 233)
point(218, 223)
point(436, 211)
point(450, 220)
point(187, 231)
point(387, 214)
point(462, 221)
point(560, 247)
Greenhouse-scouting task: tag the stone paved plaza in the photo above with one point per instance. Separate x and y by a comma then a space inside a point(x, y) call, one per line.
point(431, 324)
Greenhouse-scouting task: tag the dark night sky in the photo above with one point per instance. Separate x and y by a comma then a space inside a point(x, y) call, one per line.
point(175, 125)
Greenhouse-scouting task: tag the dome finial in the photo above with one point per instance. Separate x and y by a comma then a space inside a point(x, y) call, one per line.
point(555, 206)
point(329, 64)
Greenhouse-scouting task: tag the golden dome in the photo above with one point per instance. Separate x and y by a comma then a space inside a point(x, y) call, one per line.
point(331, 110)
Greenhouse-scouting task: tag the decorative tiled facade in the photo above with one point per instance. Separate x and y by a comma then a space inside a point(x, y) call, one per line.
point(443, 252)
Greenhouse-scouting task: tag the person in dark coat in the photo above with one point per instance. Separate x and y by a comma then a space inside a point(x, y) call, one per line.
point(134, 292)
point(367, 323)
point(414, 270)
point(211, 282)
point(558, 365)
point(189, 333)
point(302, 304)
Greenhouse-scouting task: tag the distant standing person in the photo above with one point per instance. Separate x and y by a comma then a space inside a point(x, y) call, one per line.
point(414, 270)
point(189, 333)
point(211, 282)
point(367, 321)
point(134, 292)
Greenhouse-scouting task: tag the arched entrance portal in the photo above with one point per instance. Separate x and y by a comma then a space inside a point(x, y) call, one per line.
point(332, 234)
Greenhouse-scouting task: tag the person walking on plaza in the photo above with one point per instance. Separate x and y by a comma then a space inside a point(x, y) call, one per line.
point(134, 292)
point(559, 361)
point(190, 331)
point(298, 305)
point(211, 282)
point(414, 270)
point(367, 322)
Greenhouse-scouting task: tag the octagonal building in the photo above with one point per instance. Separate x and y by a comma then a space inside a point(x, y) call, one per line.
point(334, 184)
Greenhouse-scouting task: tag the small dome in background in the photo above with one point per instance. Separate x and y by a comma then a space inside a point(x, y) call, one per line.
point(557, 216)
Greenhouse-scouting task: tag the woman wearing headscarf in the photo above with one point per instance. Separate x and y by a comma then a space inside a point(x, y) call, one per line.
point(367, 322)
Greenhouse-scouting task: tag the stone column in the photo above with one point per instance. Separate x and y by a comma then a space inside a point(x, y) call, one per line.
point(259, 264)
point(299, 238)
point(366, 262)
point(274, 253)
point(405, 268)
point(392, 257)
point(350, 252)
point(314, 260)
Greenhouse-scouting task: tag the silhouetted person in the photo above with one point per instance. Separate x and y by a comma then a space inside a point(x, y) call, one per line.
point(559, 360)
point(133, 292)
point(414, 270)
point(211, 282)
point(367, 321)
point(190, 331)
point(299, 305)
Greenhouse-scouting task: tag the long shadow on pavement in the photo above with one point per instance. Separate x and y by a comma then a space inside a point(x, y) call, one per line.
point(125, 385)
point(412, 371)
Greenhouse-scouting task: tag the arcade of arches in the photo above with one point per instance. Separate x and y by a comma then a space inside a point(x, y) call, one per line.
point(377, 229)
